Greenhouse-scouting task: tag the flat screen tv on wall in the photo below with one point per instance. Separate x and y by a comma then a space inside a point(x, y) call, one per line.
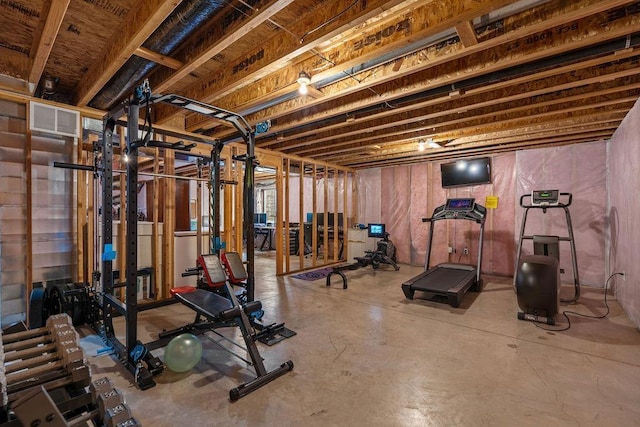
point(466, 172)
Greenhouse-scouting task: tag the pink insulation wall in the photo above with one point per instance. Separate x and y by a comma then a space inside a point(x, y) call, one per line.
point(581, 170)
point(624, 206)
point(401, 196)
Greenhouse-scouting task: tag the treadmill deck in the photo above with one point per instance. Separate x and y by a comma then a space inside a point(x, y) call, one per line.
point(449, 280)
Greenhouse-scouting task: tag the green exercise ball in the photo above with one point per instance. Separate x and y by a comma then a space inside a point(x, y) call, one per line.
point(183, 353)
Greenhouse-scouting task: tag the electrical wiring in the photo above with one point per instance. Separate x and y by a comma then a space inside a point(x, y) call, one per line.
point(574, 313)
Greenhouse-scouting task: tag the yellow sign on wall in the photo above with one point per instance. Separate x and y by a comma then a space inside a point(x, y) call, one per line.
point(491, 202)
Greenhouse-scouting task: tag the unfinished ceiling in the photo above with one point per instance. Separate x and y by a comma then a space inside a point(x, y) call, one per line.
point(463, 77)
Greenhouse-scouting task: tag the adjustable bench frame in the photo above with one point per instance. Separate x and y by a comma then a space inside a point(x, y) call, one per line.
point(223, 312)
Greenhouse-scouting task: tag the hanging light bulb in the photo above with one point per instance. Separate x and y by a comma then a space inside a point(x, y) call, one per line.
point(421, 146)
point(303, 81)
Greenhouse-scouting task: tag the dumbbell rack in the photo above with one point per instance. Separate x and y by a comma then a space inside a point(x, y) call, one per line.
point(44, 380)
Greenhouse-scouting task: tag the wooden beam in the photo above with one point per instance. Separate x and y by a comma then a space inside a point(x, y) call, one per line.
point(467, 33)
point(139, 24)
point(468, 108)
point(260, 17)
point(447, 66)
point(480, 122)
point(156, 248)
point(52, 24)
point(169, 224)
point(301, 213)
point(279, 52)
point(349, 53)
point(28, 170)
point(158, 58)
point(567, 77)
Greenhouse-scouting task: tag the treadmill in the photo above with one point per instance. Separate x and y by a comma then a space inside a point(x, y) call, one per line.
point(450, 280)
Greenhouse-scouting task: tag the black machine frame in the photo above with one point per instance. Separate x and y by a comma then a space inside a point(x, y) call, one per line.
point(454, 208)
point(543, 200)
point(129, 350)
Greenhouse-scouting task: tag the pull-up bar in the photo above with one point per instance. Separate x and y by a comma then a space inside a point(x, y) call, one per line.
point(143, 98)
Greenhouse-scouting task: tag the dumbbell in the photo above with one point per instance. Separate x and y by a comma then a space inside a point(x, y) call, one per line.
point(111, 404)
point(26, 344)
point(53, 322)
point(67, 358)
point(59, 351)
point(26, 349)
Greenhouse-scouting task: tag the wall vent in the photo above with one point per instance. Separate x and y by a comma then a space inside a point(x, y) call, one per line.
point(53, 120)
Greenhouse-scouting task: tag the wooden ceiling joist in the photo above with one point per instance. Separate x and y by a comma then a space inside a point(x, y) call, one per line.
point(429, 57)
point(158, 58)
point(55, 15)
point(220, 45)
point(140, 23)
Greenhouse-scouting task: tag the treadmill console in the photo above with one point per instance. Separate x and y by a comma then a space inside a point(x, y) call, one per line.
point(459, 209)
point(545, 197)
point(460, 205)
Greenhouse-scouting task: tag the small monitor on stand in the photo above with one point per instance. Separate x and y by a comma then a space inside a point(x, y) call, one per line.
point(260, 218)
point(376, 230)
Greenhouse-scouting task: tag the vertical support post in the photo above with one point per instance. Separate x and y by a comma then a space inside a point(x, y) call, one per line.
point(156, 250)
point(107, 225)
point(325, 217)
point(29, 208)
point(301, 241)
point(314, 219)
point(248, 214)
point(480, 246)
point(215, 205)
point(131, 297)
point(199, 209)
point(334, 220)
point(285, 202)
point(429, 245)
point(122, 217)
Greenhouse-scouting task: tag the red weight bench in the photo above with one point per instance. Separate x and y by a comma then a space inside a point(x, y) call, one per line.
point(225, 311)
point(235, 268)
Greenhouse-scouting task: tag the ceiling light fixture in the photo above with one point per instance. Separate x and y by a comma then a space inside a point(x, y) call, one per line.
point(303, 80)
point(421, 145)
point(432, 144)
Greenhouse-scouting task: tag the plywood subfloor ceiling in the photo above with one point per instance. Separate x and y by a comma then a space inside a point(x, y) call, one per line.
point(457, 78)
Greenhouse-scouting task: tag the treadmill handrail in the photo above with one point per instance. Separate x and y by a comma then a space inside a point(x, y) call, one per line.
point(545, 207)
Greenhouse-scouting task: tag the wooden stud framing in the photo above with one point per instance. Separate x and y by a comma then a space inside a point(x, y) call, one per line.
point(279, 232)
point(286, 207)
point(346, 223)
point(156, 248)
point(169, 224)
point(314, 221)
point(336, 231)
point(81, 215)
point(325, 209)
point(301, 234)
point(28, 169)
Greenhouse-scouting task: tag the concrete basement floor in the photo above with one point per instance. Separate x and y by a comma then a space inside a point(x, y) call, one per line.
point(367, 356)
